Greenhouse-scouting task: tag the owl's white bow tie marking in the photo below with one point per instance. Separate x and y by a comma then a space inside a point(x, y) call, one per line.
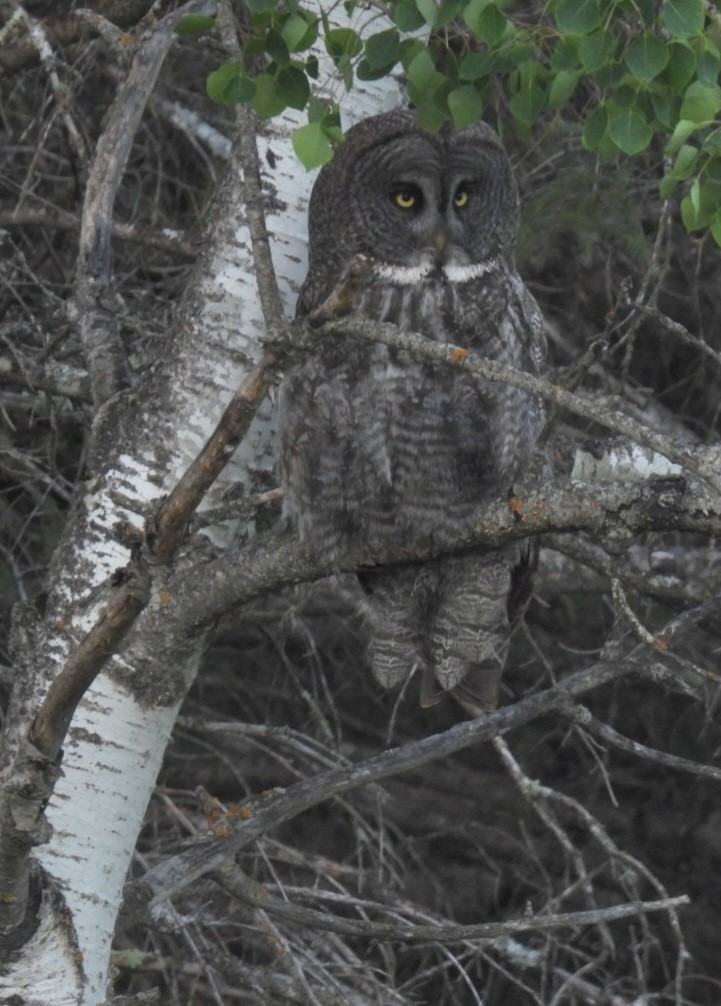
point(409, 275)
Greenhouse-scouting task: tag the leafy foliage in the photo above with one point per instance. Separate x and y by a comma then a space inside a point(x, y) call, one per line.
point(625, 72)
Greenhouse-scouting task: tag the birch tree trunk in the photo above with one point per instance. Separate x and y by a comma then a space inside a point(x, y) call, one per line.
point(142, 441)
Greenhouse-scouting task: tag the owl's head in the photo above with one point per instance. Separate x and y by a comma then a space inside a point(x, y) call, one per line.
point(415, 200)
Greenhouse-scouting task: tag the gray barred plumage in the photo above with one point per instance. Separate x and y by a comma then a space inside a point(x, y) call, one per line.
point(375, 445)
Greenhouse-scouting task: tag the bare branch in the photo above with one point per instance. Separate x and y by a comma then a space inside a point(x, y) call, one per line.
point(249, 891)
point(454, 356)
point(17, 50)
point(92, 309)
point(618, 510)
point(585, 718)
point(181, 504)
point(58, 219)
point(50, 377)
point(260, 815)
point(53, 719)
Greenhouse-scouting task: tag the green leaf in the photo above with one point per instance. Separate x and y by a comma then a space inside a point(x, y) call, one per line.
point(430, 114)
point(597, 49)
point(428, 10)
point(665, 107)
point(513, 55)
point(527, 104)
point(715, 225)
point(407, 16)
point(312, 146)
point(194, 24)
point(683, 18)
point(685, 161)
point(343, 42)
point(230, 84)
point(667, 185)
point(712, 140)
point(473, 10)
point(709, 61)
point(565, 55)
point(610, 74)
point(578, 17)
point(381, 49)
point(475, 65)
point(447, 11)
point(266, 101)
point(594, 128)
point(681, 133)
point(262, 5)
point(646, 56)
point(712, 170)
point(420, 70)
point(485, 21)
point(299, 32)
point(695, 195)
point(465, 105)
point(700, 102)
point(630, 131)
point(563, 86)
point(276, 47)
point(701, 205)
point(681, 66)
point(293, 87)
point(624, 97)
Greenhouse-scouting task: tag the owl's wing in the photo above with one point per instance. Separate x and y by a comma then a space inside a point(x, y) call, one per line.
point(533, 326)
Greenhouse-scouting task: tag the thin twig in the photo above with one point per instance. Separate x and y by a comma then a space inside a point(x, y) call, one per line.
point(454, 356)
point(585, 718)
point(249, 891)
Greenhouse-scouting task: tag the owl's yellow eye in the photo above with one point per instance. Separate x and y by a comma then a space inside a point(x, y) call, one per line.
point(460, 199)
point(406, 200)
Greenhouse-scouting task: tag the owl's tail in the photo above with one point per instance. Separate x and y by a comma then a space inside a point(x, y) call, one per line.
point(452, 618)
point(469, 635)
point(393, 607)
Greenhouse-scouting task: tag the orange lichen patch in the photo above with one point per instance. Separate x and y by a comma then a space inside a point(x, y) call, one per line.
point(516, 507)
point(79, 956)
point(661, 644)
point(164, 597)
point(219, 820)
point(9, 899)
point(459, 354)
point(126, 38)
point(61, 623)
point(242, 812)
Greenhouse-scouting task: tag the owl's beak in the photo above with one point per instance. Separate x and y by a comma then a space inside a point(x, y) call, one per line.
point(440, 240)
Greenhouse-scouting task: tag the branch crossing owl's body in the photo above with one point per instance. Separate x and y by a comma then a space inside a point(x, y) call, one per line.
point(376, 445)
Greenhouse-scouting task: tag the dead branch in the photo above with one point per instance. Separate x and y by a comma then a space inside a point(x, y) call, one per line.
point(579, 404)
point(60, 220)
point(50, 377)
point(585, 718)
point(255, 894)
point(177, 510)
point(53, 719)
point(91, 309)
point(617, 511)
point(17, 49)
point(260, 815)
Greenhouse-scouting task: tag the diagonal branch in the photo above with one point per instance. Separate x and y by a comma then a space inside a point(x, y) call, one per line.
point(92, 308)
point(453, 356)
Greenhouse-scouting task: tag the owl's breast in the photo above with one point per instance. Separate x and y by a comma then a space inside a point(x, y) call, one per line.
point(389, 443)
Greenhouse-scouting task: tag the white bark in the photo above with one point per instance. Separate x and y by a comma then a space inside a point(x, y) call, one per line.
point(118, 736)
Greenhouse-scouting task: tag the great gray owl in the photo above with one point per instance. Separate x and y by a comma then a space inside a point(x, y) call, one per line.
point(377, 445)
